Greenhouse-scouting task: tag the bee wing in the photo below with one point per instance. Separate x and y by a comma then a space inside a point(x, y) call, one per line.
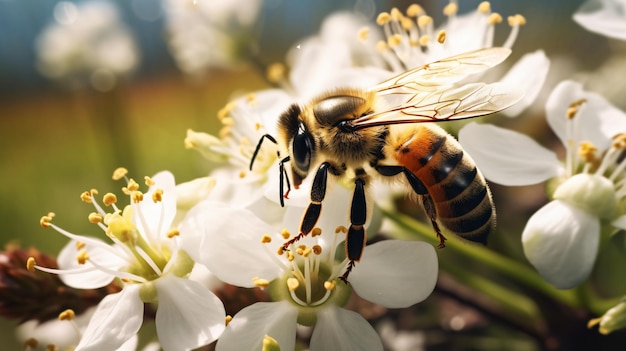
point(444, 72)
point(448, 103)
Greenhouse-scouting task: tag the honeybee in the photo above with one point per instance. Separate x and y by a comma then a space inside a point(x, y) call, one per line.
point(380, 132)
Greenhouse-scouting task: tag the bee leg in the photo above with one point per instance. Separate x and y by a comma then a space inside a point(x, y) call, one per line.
point(419, 189)
point(355, 240)
point(283, 176)
point(312, 214)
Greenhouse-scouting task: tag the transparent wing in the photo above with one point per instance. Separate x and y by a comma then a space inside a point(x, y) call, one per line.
point(444, 72)
point(448, 103)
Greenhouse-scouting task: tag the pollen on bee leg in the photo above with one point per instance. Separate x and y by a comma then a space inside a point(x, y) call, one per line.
point(30, 264)
point(260, 283)
point(67, 315)
point(82, 257)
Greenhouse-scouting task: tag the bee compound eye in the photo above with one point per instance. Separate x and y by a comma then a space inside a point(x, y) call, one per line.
point(302, 149)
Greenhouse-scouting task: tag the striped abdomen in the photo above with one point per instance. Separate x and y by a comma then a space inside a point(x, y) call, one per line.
point(457, 188)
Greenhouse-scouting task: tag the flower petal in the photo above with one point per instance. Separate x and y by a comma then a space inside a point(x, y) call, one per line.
point(561, 241)
point(98, 253)
point(606, 17)
point(343, 330)
point(247, 329)
point(396, 274)
point(527, 75)
point(227, 240)
point(117, 319)
point(507, 157)
point(597, 122)
point(188, 315)
point(157, 216)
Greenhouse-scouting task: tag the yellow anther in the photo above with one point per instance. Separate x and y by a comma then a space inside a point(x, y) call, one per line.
point(67, 315)
point(270, 344)
point(224, 132)
point(31, 342)
point(494, 19)
point(341, 229)
point(94, 218)
point(424, 40)
point(441, 36)
point(30, 264)
point(136, 196)
point(394, 40)
point(316, 232)
point(251, 99)
point(266, 238)
point(285, 233)
point(228, 121)
point(109, 199)
point(414, 10)
point(86, 197)
point(383, 18)
point(329, 285)
point(157, 195)
point(80, 245)
point(52, 347)
point(300, 250)
point(517, 20)
point(132, 185)
point(451, 9)
point(619, 141)
point(242, 174)
point(317, 249)
point(290, 256)
point(292, 284)
point(148, 181)
point(258, 126)
point(172, 233)
point(82, 257)
point(363, 33)
point(228, 319)
point(44, 221)
point(484, 7)
point(406, 23)
point(306, 252)
point(396, 15)
point(261, 283)
point(119, 173)
point(381, 46)
point(424, 20)
point(587, 151)
point(280, 251)
point(578, 102)
point(226, 110)
point(275, 72)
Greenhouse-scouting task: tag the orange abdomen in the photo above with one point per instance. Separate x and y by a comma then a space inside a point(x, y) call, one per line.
point(457, 188)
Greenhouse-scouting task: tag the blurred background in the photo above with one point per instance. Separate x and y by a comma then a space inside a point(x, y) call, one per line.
point(64, 125)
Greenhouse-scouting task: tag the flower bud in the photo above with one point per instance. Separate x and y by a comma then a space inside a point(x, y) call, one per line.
point(593, 193)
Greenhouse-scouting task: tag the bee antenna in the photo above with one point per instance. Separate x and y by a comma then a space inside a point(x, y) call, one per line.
point(283, 176)
point(258, 147)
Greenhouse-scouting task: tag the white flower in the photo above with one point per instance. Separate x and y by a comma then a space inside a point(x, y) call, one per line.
point(412, 41)
point(606, 17)
point(303, 282)
point(204, 34)
point(87, 43)
point(146, 259)
point(561, 240)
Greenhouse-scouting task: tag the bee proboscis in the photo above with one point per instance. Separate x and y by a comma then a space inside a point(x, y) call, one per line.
point(366, 133)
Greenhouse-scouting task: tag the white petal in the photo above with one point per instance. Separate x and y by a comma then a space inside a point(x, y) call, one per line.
point(342, 330)
point(92, 279)
point(620, 222)
point(598, 121)
point(188, 315)
point(247, 329)
point(117, 319)
point(527, 75)
point(606, 17)
point(227, 240)
point(561, 241)
point(507, 157)
point(396, 274)
point(158, 215)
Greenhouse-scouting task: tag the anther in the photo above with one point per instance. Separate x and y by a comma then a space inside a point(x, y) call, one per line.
point(290, 256)
point(132, 185)
point(119, 173)
point(383, 18)
point(172, 233)
point(45, 221)
point(341, 229)
point(396, 15)
point(381, 46)
point(80, 245)
point(587, 151)
point(329, 285)
point(228, 319)
point(414, 10)
point(394, 40)
point(30, 264)
point(136, 196)
point(517, 20)
point(363, 33)
point(484, 7)
point(82, 257)
point(619, 141)
point(424, 39)
point(251, 99)
point(300, 250)
point(280, 251)
point(494, 19)
point(86, 197)
point(51, 347)
point(317, 231)
point(266, 238)
point(242, 174)
point(451, 9)
point(423, 21)
point(406, 23)
point(275, 72)
point(67, 315)
point(109, 199)
point(148, 181)
point(261, 283)
point(317, 249)
point(441, 36)
point(285, 233)
point(292, 284)
point(306, 252)
point(157, 195)
point(94, 218)
point(31, 342)
point(225, 111)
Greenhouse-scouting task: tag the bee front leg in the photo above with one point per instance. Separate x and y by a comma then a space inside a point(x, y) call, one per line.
point(419, 189)
point(356, 238)
point(313, 211)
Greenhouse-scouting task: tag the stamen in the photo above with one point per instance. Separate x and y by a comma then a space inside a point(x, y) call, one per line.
point(172, 233)
point(293, 284)
point(441, 36)
point(226, 110)
point(266, 238)
point(82, 257)
point(396, 15)
point(109, 199)
point(415, 10)
point(148, 181)
point(451, 9)
point(275, 72)
point(394, 40)
point(423, 21)
point(316, 232)
point(363, 34)
point(95, 218)
point(45, 220)
point(330, 285)
point(515, 22)
point(87, 197)
point(228, 319)
point(119, 173)
point(157, 195)
point(261, 283)
point(285, 233)
point(383, 18)
point(251, 99)
point(67, 315)
point(494, 18)
point(132, 185)
point(424, 40)
point(484, 7)
point(80, 245)
point(31, 342)
point(136, 196)
point(30, 264)
point(587, 151)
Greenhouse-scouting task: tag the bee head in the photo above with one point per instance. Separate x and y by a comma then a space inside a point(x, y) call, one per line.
point(300, 143)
